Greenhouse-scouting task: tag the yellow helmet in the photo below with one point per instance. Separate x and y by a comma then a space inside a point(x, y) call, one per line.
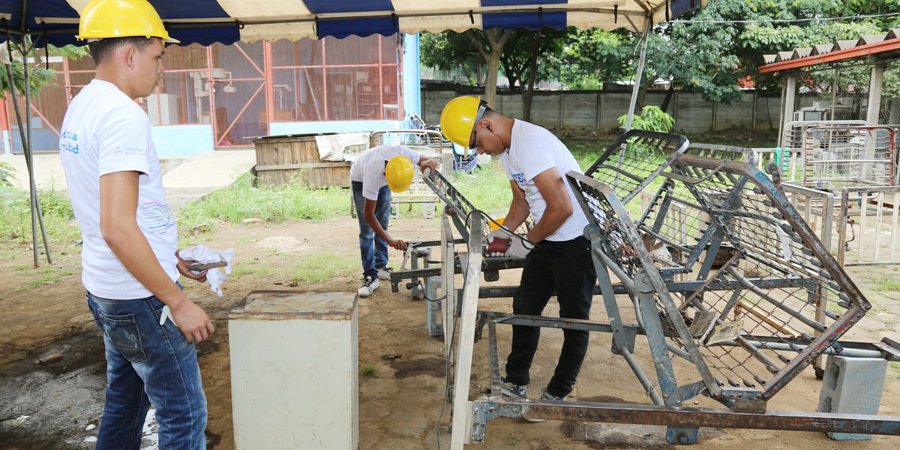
point(102, 19)
point(399, 173)
point(458, 119)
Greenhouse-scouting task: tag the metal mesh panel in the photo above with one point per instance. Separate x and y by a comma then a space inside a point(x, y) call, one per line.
point(674, 224)
point(838, 156)
point(761, 315)
point(634, 159)
point(777, 285)
point(625, 253)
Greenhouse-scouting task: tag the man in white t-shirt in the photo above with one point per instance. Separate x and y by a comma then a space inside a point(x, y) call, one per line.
point(557, 255)
point(376, 173)
point(130, 265)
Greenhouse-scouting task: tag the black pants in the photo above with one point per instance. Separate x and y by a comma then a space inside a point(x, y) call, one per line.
point(565, 267)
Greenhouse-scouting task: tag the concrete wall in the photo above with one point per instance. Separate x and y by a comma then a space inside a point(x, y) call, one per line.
point(600, 110)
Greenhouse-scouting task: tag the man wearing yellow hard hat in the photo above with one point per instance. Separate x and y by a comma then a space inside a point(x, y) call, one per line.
point(130, 266)
point(376, 173)
point(557, 256)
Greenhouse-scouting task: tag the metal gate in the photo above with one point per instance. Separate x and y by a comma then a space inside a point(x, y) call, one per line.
point(836, 156)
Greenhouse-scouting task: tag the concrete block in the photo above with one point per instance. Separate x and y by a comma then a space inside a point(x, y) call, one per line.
point(294, 369)
point(854, 386)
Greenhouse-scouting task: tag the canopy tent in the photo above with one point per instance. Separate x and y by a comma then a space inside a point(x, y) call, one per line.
point(227, 21)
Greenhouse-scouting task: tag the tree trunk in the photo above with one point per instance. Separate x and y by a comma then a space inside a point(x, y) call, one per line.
point(669, 93)
point(528, 91)
point(496, 39)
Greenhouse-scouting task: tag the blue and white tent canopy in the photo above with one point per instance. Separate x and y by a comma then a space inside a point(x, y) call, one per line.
point(227, 21)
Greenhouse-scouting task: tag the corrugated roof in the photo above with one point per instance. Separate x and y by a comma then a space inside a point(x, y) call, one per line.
point(886, 45)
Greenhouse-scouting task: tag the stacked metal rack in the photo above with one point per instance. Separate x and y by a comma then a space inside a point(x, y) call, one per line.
point(734, 285)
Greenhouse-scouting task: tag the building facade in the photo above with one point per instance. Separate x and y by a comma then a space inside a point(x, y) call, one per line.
point(224, 96)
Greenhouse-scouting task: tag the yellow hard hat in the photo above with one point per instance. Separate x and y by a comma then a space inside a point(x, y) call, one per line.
point(458, 119)
point(102, 19)
point(399, 173)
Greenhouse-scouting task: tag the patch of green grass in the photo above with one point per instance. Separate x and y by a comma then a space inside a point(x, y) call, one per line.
point(319, 267)
point(45, 275)
point(894, 370)
point(243, 200)
point(367, 371)
point(884, 285)
point(259, 271)
point(15, 220)
point(487, 187)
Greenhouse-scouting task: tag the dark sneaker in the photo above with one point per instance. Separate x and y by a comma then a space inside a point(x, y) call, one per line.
point(384, 273)
point(368, 287)
point(509, 389)
point(546, 396)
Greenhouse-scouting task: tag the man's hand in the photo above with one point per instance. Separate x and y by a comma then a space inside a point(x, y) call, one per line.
point(184, 269)
point(519, 248)
point(427, 163)
point(397, 243)
point(191, 320)
point(499, 233)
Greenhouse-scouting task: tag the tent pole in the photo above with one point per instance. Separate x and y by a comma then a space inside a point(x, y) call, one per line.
point(25, 135)
point(36, 214)
point(640, 71)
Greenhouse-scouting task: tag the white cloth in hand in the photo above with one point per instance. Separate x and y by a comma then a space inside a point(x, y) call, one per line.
point(518, 248)
point(205, 255)
point(499, 233)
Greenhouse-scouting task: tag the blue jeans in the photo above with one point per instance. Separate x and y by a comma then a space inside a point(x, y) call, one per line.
point(148, 364)
point(372, 249)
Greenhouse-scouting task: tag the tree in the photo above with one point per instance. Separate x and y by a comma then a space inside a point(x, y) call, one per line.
point(590, 59)
point(38, 74)
point(713, 51)
point(449, 51)
point(522, 56)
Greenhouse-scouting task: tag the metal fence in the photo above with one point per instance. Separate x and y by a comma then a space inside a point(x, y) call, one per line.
point(867, 226)
point(839, 155)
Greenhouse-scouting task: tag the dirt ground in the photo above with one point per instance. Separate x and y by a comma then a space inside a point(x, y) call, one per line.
point(57, 405)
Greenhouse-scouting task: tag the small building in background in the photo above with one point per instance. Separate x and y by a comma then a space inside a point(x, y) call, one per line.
point(224, 96)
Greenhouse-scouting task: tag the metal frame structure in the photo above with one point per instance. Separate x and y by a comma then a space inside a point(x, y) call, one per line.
point(836, 156)
point(737, 305)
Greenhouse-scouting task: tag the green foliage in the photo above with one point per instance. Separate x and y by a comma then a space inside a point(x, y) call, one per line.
point(6, 174)
point(38, 74)
point(651, 118)
point(15, 217)
point(528, 52)
point(242, 200)
point(449, 51)
point(710, 58)
point(589, 59)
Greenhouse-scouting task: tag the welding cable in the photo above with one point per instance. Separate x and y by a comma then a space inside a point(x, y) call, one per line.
point(502, 227)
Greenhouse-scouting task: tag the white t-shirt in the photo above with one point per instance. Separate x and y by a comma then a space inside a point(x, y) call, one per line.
point(105, 131)
point(532, 150)
point(369, 167)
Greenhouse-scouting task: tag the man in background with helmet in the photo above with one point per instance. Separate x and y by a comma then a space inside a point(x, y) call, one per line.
point(130, 266)
point(376, 173)
point(557, 256)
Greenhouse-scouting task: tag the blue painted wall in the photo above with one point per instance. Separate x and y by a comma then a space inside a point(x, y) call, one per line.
point(174, 140)
point(412, 93)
